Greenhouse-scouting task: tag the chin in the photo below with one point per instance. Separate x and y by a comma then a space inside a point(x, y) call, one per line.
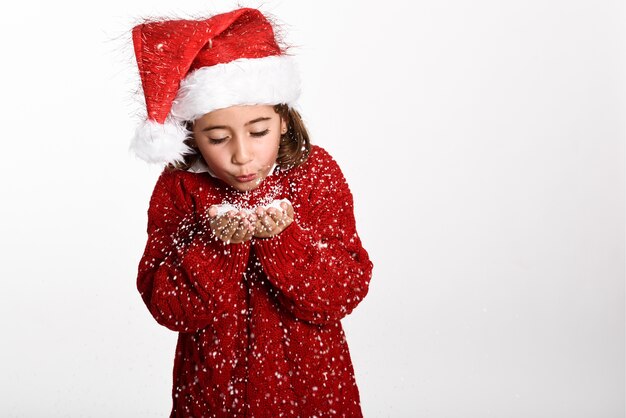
point(243, 188)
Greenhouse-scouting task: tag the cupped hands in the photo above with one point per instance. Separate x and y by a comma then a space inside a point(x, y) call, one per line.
point(235, 227)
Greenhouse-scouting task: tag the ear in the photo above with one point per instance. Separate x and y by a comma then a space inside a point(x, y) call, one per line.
point(283, 126)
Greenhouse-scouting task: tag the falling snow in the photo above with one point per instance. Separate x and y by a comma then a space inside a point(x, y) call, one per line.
point(259, 322)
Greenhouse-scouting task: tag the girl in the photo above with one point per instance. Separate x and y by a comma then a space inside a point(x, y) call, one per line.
point(252, 252)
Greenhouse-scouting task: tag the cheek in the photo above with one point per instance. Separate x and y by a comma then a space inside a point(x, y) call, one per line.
point(268, 154)
point(215, 159)
point(270, 150)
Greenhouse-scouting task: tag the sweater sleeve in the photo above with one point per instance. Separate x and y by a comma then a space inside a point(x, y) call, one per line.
point(317, 263)
point(185, 276)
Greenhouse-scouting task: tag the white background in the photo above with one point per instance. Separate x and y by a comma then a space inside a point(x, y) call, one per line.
point(483, 142)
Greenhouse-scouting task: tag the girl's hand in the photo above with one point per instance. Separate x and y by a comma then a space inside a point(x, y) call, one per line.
point(233, 227)
point(271, 221)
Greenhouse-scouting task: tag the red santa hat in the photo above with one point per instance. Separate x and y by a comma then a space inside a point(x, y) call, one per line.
point(191, 67)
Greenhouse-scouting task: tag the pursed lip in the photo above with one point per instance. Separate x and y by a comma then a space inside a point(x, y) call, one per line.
point(246, 177)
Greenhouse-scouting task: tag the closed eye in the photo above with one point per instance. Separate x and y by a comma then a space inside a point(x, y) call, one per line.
point(258, 134)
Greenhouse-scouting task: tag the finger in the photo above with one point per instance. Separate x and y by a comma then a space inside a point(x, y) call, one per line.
point(247, 225)
point(227, 236)
point(218, 224)
point(260, 230)
point(229, 217)
point(231, 227)
point(283, 221)
point(239, 233)
point(275, 214)
point(288, 222)
point(212, 211)
point(247, 229)
point(269, 224)
point(226, 233)
point(287, 208)
point(214, 223)
point(243, 227)
point(249, 234)
point(280, 219)
point(290, 211)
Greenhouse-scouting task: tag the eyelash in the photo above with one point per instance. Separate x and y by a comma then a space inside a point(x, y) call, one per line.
point(254, 134)
point(260, 134)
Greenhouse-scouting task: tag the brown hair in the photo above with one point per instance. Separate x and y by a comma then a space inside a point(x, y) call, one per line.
point(293, 150)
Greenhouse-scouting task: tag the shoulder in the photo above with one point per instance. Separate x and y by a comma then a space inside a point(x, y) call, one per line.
point(178, 179)
point(167, 182)
point(320, 155)
point(320, 161)
point(320, 174)
point(168, 175)
point(174, 186)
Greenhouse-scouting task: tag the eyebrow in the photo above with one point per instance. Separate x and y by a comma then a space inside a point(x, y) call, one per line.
point(208, 128)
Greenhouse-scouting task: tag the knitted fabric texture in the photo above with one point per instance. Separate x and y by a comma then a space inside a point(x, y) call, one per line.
point(259, 322)
point(168, 51)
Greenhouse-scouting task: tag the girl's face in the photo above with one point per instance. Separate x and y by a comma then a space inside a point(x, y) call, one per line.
point(240, 143)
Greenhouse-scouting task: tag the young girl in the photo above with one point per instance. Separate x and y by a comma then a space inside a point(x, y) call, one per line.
point(252, 252)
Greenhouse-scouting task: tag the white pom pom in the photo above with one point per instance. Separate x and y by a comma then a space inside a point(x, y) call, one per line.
point(160, 143)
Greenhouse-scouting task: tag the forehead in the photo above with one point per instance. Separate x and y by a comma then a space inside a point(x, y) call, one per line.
point(236, 115)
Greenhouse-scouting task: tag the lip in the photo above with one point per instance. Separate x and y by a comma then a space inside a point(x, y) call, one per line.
point(246, 178)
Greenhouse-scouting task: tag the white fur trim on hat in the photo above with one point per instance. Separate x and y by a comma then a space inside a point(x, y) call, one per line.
point(160, 143)
point(245, 81)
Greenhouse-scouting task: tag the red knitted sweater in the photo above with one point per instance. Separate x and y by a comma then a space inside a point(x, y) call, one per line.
point(258, 322)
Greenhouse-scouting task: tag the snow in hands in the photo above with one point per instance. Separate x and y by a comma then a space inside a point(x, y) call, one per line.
point(235, 224)
point(224, 208)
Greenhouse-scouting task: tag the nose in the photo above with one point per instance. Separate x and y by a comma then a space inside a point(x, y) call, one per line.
point(242, 154)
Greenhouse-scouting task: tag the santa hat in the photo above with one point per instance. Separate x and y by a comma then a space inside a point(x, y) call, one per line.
point(191, 67)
